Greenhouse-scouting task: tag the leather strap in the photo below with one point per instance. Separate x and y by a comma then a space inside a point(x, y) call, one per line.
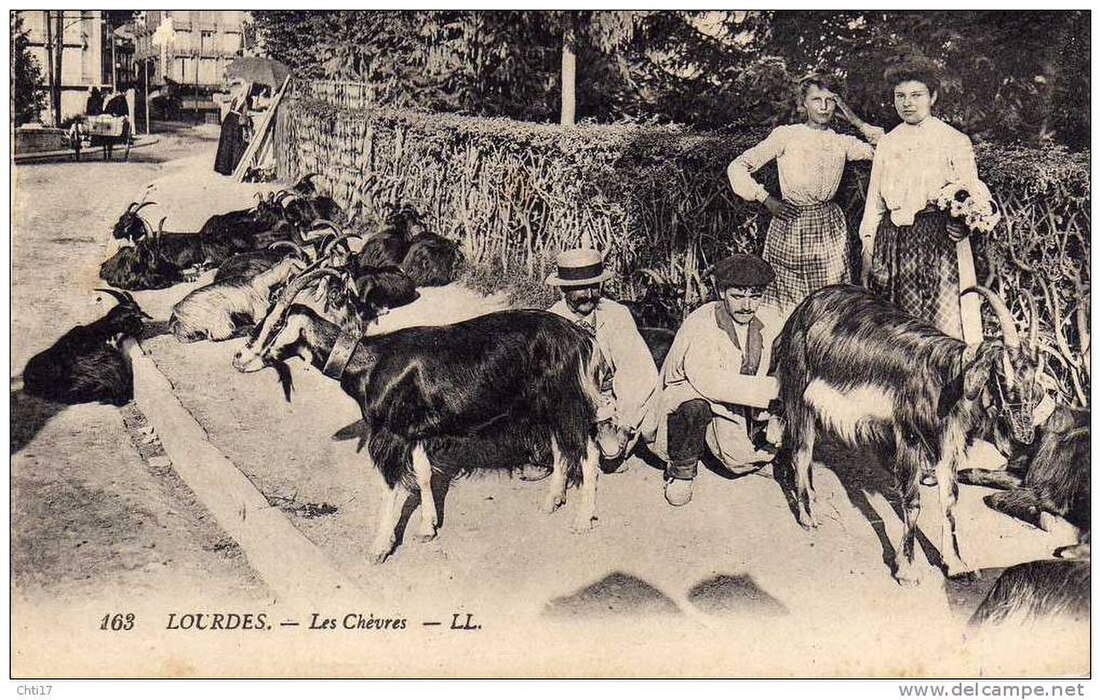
point(341, 354)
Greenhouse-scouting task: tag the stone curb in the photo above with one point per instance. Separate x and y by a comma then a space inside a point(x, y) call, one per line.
point(292, 567)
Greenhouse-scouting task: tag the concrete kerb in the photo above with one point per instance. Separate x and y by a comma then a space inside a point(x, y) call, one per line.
point(292, 567)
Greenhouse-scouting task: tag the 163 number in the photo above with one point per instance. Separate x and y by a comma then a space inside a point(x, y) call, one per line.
point(117, 622)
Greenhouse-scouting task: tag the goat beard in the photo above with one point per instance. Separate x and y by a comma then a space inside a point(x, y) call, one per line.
point(285, 380)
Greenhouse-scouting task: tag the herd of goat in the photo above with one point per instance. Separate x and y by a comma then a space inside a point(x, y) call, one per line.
point(519, 386)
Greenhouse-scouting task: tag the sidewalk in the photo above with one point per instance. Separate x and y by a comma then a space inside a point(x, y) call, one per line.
point(90, 153)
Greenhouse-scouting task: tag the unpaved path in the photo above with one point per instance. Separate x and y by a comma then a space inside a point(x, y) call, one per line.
point(93, 516)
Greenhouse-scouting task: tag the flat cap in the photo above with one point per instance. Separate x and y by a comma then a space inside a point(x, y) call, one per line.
point(741, 270)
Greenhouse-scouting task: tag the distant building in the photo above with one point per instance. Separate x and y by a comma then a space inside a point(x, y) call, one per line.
point(83, 62)
point(205, 41)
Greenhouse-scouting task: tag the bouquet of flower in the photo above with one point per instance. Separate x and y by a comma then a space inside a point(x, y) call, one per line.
point(969, 204)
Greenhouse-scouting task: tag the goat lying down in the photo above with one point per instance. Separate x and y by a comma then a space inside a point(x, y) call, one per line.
point(222, 309)
point(857, 367)
point(510, 382)
point(1038, 590)
point(1049, 478)
point(86, 364)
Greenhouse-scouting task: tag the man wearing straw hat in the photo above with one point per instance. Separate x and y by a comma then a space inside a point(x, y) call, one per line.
point(633, 374)
point(714, 382)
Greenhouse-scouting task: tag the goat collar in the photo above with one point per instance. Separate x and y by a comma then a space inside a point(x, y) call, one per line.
point(341, 353)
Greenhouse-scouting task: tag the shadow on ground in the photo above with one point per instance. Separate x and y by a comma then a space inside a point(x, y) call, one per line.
point(617, 594)
point(28, 415)
point(734, 595)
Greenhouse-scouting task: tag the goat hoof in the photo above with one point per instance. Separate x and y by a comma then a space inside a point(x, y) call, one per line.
point(378, 555)
point(552, 503)
point(582, 525)
point(906, 577)
point(425, 534)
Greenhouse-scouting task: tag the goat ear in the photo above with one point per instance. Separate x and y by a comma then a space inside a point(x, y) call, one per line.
point(976, 374)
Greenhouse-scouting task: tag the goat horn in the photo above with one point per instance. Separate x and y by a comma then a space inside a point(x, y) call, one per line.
point(1008, 325)
point(116, 294)
point(142, 206)
point(283, 196)
point(324, 223)
point(329, 245)
point(299, 283)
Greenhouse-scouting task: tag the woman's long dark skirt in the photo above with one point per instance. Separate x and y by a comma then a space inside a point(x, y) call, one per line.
point(231, 145)
point(917, 268)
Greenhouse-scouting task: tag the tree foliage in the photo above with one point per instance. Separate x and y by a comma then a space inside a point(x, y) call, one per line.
point(1008, 76)
point(27, 98)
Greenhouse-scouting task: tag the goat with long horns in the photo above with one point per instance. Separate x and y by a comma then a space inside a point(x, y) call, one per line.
point(857, 367)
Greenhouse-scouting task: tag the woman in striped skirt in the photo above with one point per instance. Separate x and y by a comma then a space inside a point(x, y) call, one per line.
point(807, 240)
point(911, 249)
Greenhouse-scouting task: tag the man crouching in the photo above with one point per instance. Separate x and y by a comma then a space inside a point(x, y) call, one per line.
point(714, 383)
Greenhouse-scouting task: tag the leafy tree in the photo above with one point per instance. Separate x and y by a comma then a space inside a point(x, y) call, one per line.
point(27, 96)
point(1017, 76)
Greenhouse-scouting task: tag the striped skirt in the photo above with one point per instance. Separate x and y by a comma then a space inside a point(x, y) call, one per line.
point(916, 267)
point(808, 252)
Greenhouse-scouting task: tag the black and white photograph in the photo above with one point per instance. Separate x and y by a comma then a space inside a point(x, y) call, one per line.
point(556, 343)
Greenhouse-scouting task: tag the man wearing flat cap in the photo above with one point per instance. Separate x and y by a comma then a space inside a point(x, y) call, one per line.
point(633, 374)
point(714, 381)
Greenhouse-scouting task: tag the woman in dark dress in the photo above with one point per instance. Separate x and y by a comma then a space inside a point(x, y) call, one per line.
point(231, 145)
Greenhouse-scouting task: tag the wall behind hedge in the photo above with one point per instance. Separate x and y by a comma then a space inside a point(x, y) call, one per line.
point(656, 200)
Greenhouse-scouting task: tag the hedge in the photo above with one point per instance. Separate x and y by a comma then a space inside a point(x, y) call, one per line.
point(656, 201)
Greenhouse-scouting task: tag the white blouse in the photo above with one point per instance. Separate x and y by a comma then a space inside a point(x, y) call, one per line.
point(811, 163)
point(913, 163)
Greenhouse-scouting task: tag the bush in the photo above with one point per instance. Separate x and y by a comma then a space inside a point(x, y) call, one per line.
point(656, 201)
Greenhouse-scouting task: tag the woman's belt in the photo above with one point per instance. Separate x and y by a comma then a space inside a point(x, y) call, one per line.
point(813, 207)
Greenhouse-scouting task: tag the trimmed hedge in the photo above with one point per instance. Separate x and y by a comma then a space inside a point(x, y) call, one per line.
point(656, 200)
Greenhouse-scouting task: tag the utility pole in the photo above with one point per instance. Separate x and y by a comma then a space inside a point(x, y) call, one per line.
point(59, 45)
point(49, 65)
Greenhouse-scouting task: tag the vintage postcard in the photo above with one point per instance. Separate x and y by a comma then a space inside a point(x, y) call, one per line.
point(543, 344)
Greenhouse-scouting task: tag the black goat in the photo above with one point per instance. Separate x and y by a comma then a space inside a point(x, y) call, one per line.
point(1049, 477)
point(140, 266)
point(390, 245)
point(858, 367)
point(511, 383)
point(130, 226)
point(659, 341)
point(380, 289)
point(1038, 590)
point(86, 364)
point(432, 260)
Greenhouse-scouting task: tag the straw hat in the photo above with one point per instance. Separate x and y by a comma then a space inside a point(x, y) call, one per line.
point(579, 267)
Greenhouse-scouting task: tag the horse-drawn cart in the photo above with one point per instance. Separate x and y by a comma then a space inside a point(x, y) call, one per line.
point(108, 131)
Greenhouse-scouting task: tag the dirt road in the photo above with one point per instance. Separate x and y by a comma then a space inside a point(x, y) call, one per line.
point(93, 516)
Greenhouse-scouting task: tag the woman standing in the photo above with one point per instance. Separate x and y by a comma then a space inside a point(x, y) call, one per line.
point(807, 240)
point(909, 244)
point(232, 144)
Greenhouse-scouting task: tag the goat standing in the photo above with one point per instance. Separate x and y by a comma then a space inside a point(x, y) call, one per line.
point(511, 382)
point(857, 367)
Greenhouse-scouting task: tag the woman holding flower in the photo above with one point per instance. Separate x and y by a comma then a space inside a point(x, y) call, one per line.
point(912, 243)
